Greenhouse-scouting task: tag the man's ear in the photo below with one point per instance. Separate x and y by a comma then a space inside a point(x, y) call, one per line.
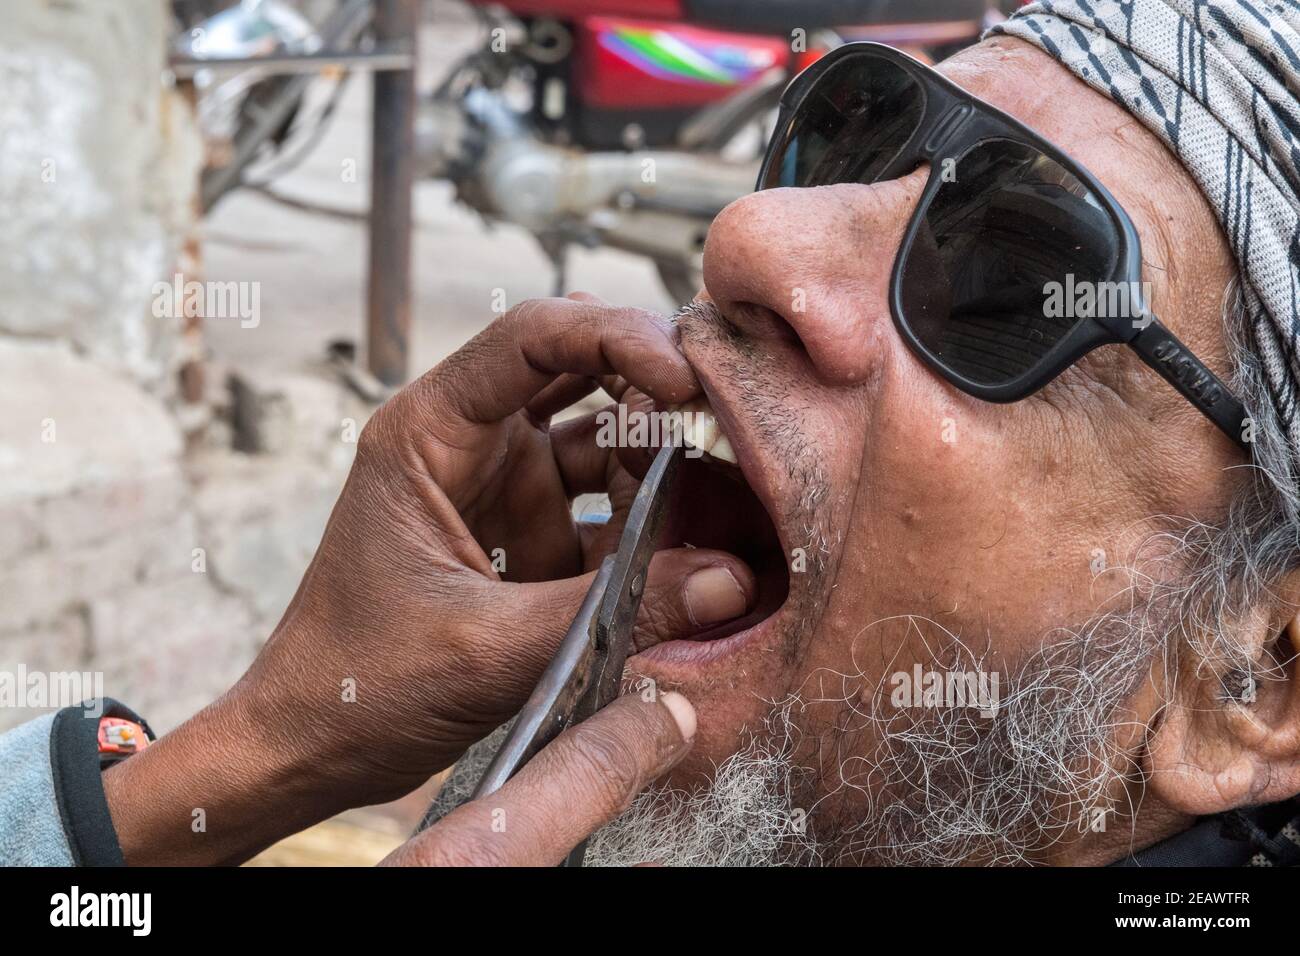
point(1230, 737)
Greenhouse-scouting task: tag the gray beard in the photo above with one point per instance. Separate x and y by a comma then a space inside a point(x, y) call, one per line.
point(742, 818)
point(939, 786)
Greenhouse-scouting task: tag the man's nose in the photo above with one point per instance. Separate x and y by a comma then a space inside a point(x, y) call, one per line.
point(815, 264)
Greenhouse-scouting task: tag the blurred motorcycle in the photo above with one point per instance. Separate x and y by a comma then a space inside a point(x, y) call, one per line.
point(253, 118)
point(632, 123)
point(620, 123)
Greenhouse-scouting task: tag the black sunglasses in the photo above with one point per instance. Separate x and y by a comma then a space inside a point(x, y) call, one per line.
point(1016, 263)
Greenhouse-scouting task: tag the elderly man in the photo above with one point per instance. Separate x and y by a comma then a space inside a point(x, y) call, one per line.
point(916, 626)
point(1099, 544)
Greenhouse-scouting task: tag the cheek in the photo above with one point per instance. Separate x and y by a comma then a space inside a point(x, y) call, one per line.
point(965, 519)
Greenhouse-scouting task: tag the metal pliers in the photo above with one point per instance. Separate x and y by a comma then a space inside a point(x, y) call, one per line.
point(586, 671)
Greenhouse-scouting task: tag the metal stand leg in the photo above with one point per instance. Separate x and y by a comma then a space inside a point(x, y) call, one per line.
point(388, 322)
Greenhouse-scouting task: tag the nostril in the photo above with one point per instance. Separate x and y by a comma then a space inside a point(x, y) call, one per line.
point(760, 323)
point(842, 344)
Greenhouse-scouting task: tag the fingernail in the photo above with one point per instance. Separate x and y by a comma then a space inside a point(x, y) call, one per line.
point(713, 595)
point(682, 711)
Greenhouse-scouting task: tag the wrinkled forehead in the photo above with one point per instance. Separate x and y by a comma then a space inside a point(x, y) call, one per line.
point(1029, 85)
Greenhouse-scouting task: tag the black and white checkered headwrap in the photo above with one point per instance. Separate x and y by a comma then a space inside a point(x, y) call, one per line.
point(1218, 81)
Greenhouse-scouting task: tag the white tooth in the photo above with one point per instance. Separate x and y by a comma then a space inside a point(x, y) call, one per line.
point(688, 428)
point(702, 430)
point(722, 450)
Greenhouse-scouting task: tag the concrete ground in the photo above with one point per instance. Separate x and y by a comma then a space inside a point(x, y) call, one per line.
point(312, 268)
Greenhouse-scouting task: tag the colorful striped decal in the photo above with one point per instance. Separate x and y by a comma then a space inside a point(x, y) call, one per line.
point(669, 57)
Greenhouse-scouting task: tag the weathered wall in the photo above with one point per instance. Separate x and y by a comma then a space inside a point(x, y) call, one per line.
point(95, 552)
point(125, 555)
point(129, 549)
point(96, 177)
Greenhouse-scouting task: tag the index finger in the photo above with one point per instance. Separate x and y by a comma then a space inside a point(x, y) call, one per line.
point(582, 780)
point(502, 368)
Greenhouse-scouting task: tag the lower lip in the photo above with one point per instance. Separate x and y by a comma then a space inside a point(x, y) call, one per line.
point(698, 653)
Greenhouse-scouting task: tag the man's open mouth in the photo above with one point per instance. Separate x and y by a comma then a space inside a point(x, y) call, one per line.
point(714, 506)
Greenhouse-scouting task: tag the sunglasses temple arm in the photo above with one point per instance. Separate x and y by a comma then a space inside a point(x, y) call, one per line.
point(1174, 362)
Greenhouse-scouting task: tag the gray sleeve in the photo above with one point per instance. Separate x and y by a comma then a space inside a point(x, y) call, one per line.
point(31, 827)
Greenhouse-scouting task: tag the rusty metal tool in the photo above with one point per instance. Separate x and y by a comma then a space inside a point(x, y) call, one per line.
point(586, 671)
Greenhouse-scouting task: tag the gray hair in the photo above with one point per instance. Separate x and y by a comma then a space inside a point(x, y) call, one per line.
point(1231, 569)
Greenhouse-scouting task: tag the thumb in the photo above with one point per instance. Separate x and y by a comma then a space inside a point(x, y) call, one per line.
point(523, 627)
point(690, 591)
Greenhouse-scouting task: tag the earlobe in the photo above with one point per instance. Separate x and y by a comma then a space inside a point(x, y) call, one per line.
point(1191, 766)
point(1231, 740)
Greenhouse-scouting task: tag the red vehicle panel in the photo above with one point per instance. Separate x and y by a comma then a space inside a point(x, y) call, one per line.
point(648, 64)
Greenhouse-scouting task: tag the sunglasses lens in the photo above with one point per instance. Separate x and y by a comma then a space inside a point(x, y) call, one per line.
point(977, 284)
point(855, 119)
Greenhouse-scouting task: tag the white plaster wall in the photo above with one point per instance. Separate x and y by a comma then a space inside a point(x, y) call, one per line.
point(98, 167)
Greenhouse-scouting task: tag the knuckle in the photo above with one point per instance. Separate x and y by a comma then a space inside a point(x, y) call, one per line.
point(639, 329)
point(468, 847)
point(617, 321)
point(461, 373)
point(604, 764)
point(631, 317)
point(664, 618)
point(372, 440)
point(525, 314)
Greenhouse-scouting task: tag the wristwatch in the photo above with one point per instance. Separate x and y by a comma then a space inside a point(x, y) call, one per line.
point(118, 739)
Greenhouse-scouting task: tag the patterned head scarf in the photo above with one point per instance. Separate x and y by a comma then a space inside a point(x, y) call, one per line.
point(1218, 81)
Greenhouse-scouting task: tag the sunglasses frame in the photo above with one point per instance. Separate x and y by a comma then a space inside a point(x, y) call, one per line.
point(952, 123)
